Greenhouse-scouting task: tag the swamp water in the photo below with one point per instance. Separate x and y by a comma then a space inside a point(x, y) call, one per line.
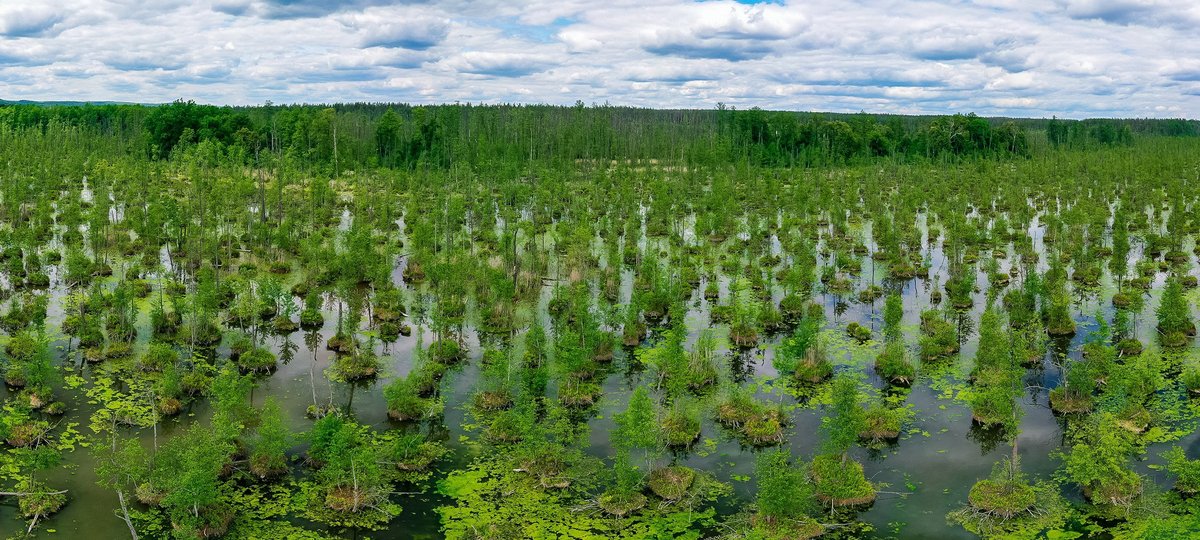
point(927, 473)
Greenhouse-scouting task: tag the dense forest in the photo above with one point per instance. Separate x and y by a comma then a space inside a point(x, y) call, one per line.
point(411, 137)
point(510, 322)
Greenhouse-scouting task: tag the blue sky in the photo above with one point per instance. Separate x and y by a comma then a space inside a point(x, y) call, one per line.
point(1072, 58)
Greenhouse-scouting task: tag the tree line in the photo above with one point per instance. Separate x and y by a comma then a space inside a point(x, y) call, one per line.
point(340, 137)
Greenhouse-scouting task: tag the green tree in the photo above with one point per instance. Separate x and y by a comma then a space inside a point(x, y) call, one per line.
point(270, 442)
point(845, 418)
point(783, 490)
point(637, 427)
point(1175, 324)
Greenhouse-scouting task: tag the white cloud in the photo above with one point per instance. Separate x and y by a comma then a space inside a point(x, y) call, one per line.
point(1014, 103)
point(1072, 58)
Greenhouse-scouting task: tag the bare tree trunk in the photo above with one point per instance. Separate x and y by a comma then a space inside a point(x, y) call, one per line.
point(125, 515)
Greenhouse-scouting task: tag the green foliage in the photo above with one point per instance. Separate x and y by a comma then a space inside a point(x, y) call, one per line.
point(783, 488)
point(839, 481)
point(845, 418)
point(270, 441)
point(637, 426)
point(1186, 471)
point(1098, 461)
point(1174, 315)
point(188, 123)
point(491, 499)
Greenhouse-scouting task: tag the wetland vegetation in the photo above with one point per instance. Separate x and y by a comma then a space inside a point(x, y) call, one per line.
point(502, 322)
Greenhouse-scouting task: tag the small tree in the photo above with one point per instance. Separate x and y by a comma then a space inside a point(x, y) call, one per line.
point(1175, 324)
point(845, 418)
point(191, 467)
point(637, 427)
point(893, 313)
point(1098, 461)
point(839, 480)
point(783, 491)
point(270, 442)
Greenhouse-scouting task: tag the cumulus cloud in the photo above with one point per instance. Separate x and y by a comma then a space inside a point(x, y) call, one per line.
point(499, 64)
point(290, 9)
point(19, 20)
point(1070, 58)
point(727, 32)
point(403, 29)
point(1180, 13)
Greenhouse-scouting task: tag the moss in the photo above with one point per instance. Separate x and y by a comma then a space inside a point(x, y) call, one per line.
point(621, 505)
point(858, 332)
point(632, 334)
point(892, 364)
point(680, 428)
point(671, 483)
point(603, 352)
point(840, 481)
point(1129, 347)
point(763, 430)
point(1060, 327)
point(1001, 499)
point(721, 314)
point(256, 360)
point(446, 352)
point(1119, 490)
point(792, 307)
point(786, 529)
point(417, 455)
point(356, 367)
point(1134, 418)
point(347, 499)
point(40, 501)
point(939, 338)
point(813, 368)
point(1191, 379)
point(882, 424)
point(1174, 339)
point(169, 406)
point(284, 325)
point(493, 400)
point(341, 343)
point(265, 468)
point(27, 433)
point(743, 335)
point(579, 394)
point(1063, 401)
point(311, 319)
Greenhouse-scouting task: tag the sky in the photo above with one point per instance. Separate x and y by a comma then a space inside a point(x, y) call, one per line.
point(1027, 58)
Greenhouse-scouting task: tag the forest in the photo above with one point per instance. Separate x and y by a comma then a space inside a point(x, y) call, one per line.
point(589, 322)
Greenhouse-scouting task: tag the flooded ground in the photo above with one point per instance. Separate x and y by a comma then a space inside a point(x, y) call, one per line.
point(926, 474)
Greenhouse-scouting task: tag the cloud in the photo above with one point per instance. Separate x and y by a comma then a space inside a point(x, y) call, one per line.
point(728, 33)
point(497, 64)
point(399, 28)
point(1014, 103)
point(417, 36)
point(1179, 13)
point(199, 74)
point(1183, 71)
point(291, 9)
point(1070, 58)
point(29, 21)
point(672, 73)
point(145, 61)
point(686, 48)
point(946, 45)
